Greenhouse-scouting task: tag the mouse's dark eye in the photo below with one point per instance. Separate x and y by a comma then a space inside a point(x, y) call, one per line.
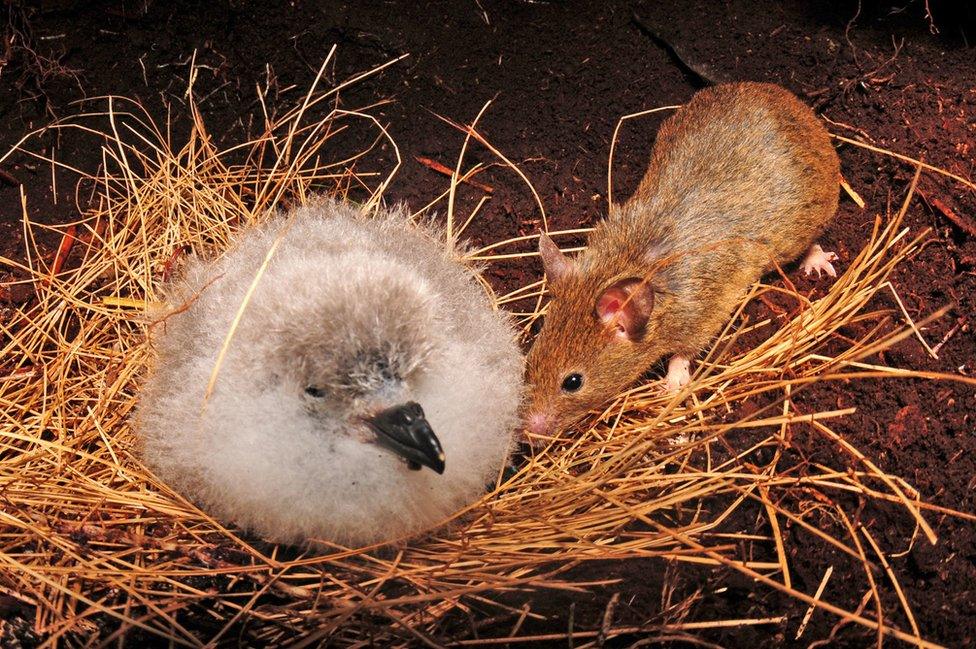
point(573, 382)
point(536, 325)
point(313, 391)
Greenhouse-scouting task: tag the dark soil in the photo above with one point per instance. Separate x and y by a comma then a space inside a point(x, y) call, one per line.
point(559, 75)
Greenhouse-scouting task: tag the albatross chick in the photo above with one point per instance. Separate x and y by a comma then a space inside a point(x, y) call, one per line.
point(368, 392)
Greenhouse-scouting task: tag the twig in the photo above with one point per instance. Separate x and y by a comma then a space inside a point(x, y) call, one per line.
point(439, 168)
point(816, 596)
point(9, 178)
point(949, 334)
point(961, 221)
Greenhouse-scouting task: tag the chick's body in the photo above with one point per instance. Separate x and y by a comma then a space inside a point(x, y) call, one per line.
point(351, 318)
point(742, 176)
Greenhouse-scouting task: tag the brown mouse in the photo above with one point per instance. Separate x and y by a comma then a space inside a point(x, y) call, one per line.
point(744, 175)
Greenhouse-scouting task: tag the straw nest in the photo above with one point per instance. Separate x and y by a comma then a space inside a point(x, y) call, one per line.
point(94, 549)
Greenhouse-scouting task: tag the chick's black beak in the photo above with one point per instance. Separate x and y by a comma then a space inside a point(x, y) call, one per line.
point(404, 430)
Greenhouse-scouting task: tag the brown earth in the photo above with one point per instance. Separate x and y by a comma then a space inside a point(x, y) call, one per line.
point(559, 75)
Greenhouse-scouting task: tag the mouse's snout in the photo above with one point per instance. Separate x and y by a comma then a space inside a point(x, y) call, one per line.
point(540, 423)
point(539, 427)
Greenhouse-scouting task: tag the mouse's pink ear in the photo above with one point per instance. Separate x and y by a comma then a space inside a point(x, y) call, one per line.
point(626, 305)
point(557, 265)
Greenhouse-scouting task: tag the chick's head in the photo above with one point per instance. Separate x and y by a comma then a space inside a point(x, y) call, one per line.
point(352, 355)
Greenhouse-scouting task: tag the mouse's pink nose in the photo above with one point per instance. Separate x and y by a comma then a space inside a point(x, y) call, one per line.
point(540, 423)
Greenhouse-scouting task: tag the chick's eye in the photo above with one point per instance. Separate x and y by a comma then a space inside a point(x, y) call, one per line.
point(573, 382)
point(313, 391)
point(385, 370)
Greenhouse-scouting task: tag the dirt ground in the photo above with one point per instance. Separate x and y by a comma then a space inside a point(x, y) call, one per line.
point(559, 75)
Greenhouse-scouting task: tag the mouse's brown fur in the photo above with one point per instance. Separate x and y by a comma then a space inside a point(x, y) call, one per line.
point(742, 176)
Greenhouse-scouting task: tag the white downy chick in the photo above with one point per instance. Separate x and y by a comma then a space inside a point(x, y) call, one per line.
point(368, 392)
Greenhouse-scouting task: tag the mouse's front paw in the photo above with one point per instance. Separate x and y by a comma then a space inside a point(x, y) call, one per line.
point(819, 261)
point(678, 375)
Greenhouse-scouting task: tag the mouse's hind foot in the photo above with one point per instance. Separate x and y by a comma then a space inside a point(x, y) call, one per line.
point(678, 374)
point(819, 261)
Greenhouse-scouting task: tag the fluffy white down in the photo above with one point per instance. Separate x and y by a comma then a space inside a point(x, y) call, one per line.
point(252, 453)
